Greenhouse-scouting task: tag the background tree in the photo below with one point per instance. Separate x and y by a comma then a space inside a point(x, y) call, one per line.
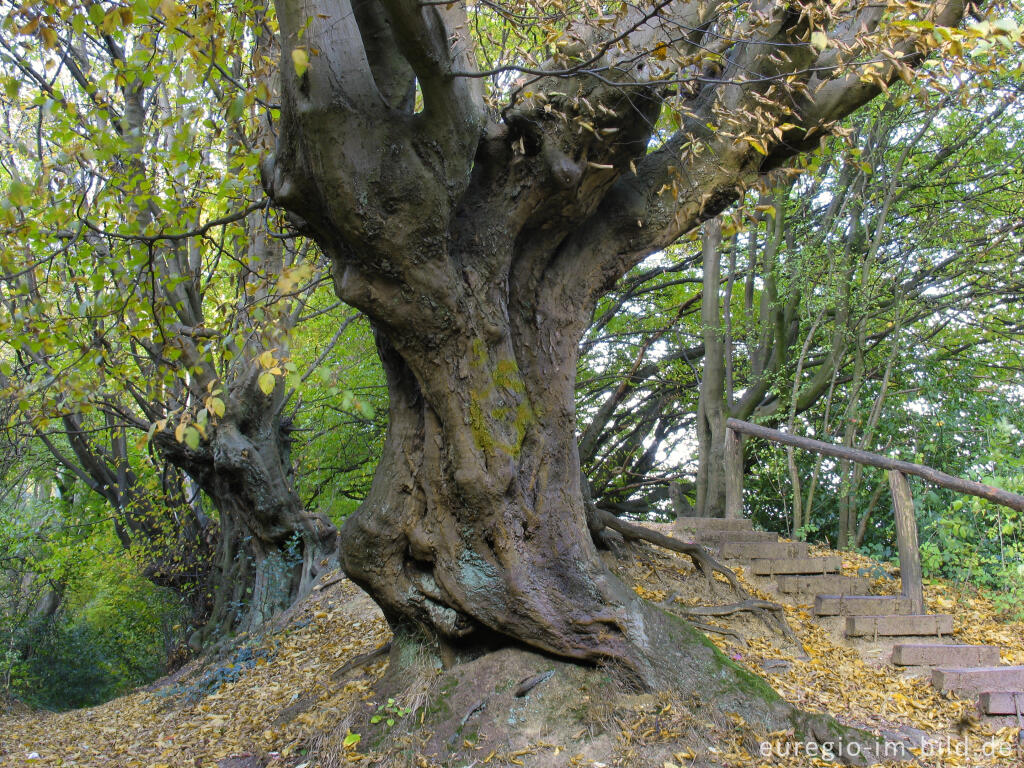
point(868, 205)
point(151, 297)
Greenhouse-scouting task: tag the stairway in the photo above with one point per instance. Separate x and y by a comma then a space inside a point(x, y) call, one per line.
point(799, 579)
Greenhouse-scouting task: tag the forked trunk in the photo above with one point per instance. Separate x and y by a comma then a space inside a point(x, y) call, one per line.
point(711, 407)
point(479, 241)
point(270, 550)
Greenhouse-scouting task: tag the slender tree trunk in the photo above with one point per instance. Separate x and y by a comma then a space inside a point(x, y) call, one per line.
point(711, 406)
point(862, 525)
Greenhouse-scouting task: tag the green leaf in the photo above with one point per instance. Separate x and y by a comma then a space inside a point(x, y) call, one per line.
point(12, 87)
point(192, 438)
point(20, 193)
point(236, 108)
point(351, 739)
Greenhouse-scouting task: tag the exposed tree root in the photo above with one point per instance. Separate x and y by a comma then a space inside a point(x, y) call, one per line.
point(761, 608)
point(700, 556)
point(705, 628)
point(773, 614)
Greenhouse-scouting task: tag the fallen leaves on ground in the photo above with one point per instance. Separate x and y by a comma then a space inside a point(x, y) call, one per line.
point(288, 694)
point(171, 727)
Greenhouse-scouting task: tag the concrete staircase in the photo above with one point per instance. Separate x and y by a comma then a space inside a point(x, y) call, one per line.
point(799, 578)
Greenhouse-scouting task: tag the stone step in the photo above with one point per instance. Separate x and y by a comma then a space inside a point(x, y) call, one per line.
point(832, 584)
point(973, 680)
point(1001, 702)
point(920, 625)
point(861, 605)
point(720, 537)
point(749, 550)
point(937, 655)
point(713, 524)
point(798, 565)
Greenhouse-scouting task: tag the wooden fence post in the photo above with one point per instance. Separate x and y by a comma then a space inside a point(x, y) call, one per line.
point(733, 474)
point(906, 538)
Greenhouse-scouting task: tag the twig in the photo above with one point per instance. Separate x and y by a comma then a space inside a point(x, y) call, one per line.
point(530, 683)
point(329, 583)
point(361, 660)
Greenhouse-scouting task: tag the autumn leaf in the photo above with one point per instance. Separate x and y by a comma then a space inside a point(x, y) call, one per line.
point(267, 382)
point(300, 60)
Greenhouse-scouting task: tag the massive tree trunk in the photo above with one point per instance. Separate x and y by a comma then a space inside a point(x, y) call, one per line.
point(478, 245)
point(475, 524)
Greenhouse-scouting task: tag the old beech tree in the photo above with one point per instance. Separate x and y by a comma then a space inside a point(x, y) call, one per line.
point(477, 233)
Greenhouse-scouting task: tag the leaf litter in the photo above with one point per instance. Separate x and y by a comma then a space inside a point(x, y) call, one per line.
point(273, 696)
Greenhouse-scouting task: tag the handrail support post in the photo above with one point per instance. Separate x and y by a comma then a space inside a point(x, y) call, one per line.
point(906, 540)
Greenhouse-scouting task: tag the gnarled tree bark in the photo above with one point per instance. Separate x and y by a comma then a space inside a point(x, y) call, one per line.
point(270, 550)
point(478, 244)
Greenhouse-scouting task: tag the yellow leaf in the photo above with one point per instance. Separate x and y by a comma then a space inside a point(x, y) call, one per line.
point(301, 61)
point(266, 382)
point(267, 359)
point(757, 145)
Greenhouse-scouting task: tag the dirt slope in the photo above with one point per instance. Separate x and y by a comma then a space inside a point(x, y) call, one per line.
point(290, 697)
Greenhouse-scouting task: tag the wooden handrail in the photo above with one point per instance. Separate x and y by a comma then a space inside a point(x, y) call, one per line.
point(959, 484)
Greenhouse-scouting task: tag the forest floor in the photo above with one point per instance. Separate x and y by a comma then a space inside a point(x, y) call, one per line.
point(289, 697)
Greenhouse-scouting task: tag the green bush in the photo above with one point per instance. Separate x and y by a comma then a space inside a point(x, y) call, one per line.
point(970, 539)
point(112, 632)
